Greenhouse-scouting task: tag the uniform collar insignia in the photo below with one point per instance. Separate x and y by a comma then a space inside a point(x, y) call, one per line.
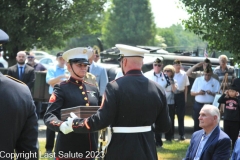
point(78, 82)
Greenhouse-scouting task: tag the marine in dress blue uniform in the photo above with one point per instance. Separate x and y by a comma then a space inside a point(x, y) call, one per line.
point(19, 127)
point(131, 105)
point(71, 93)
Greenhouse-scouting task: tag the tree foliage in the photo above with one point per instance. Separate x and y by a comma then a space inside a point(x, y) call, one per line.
point(129, 22)
point(84, 40)
point(177, 38)
point(217, 22)
point(47, 23)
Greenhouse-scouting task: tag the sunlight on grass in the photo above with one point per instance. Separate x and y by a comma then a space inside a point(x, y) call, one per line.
point(174, 150)
point(42, 154)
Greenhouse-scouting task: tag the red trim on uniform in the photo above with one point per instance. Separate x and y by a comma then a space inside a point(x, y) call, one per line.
point(56, 124)
point(86, 124)
point(52, 98)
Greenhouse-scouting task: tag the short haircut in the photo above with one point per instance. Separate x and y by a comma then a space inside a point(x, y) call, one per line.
point(214, 111)
point(22, 52)
point(223, 57)
point(169, 67)
point(176, 61)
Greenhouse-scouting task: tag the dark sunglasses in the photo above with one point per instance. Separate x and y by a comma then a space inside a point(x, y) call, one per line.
point(167, 71)
point(97, 55)
point(30, 57)
point(159, 65)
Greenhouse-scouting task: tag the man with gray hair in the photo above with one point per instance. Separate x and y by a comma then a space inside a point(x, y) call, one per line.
point(224, 69)
point(210, 142)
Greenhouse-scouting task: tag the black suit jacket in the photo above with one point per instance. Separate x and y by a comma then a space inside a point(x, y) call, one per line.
point(19, 127)
point(28, 76)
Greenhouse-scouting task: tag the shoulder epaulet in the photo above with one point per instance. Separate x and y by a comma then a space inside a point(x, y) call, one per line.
point(90, 75)
point(17, 80)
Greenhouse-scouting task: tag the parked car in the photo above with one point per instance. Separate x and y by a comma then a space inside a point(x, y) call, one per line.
point(41, 54)
point(48, 62)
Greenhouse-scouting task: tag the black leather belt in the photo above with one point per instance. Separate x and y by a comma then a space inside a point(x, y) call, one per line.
point(203, 103)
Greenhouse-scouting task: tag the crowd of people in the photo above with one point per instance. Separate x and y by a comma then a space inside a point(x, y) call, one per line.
point(134, 106)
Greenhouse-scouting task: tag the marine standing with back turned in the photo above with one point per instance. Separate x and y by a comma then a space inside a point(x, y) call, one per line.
point(131, 105)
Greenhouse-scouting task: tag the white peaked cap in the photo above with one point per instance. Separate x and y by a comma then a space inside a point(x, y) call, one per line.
point(130, 51)
point(78, 53)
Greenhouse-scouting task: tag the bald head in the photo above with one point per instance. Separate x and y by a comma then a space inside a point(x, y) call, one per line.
point(32, 54)
point(21, 53)
point(130, 63)
point(21, 57)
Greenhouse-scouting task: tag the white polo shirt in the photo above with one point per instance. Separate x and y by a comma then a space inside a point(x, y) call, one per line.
point(182, 80)
point(159, 78)
point(201, 84)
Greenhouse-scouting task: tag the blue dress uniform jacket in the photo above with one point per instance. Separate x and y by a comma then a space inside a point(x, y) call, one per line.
point(130, 101)
point(19, 127)
point(71, 93)
point(217, 147)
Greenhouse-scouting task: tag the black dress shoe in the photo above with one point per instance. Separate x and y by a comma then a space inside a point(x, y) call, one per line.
point(159, 144)
point(182, 138)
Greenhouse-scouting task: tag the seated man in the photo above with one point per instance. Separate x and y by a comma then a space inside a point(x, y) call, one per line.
point(210, 142)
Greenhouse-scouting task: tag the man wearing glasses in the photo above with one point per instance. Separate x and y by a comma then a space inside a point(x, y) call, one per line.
point(162, 79)
point(31, 62)
point(204, 89)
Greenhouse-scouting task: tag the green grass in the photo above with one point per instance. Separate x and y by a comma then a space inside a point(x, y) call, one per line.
point(42, 150)
point(174, 150)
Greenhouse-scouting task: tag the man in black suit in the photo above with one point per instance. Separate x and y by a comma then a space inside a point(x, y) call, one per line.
point(21, 71)
point(19, 127)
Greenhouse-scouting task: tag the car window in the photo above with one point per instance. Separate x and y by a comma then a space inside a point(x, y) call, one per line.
point(38, 54)
point(50, 61)
point(44, 61)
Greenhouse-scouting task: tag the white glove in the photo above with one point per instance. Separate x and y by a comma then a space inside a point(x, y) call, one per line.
point(66, 127)
point(73, 115)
